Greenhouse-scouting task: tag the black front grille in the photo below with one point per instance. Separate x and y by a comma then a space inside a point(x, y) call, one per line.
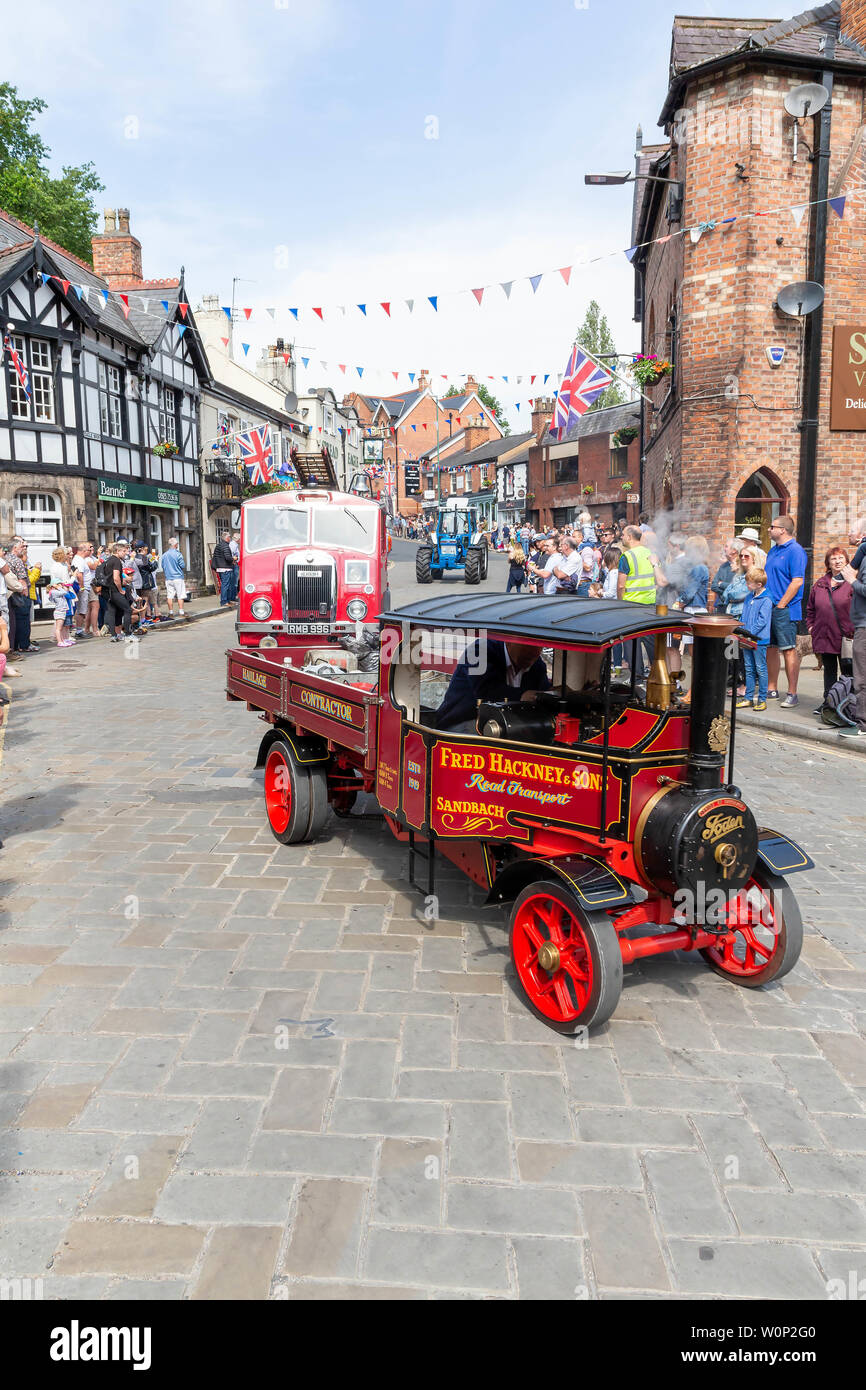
point(309, 592)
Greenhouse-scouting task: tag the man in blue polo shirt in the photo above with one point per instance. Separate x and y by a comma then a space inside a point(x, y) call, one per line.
point(786, 573)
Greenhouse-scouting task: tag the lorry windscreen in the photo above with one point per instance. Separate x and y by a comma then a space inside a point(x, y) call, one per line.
point(270, 528)
point(346, 528)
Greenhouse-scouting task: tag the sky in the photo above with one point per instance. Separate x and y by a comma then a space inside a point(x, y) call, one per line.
point(336, 152)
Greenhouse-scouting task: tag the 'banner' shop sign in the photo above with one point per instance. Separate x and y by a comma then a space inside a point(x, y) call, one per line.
point(848, 382)
point(117, 490)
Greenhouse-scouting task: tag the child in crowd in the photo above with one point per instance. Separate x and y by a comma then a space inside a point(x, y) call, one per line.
point(62, 594)
point(755, 618)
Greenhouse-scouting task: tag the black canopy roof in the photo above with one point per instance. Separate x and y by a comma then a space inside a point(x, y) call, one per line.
point(550, 619)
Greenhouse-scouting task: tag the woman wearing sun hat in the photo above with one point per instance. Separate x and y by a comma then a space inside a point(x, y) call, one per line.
point(751, 535)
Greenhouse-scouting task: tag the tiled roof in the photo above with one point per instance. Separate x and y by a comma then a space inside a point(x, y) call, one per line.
point(149, 322)
point(614, 417)
point(699, 40)
point(77, 272)
point(648, 156)
point(494, 447)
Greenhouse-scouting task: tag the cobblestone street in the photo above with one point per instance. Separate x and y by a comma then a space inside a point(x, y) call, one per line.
point(419, 1134)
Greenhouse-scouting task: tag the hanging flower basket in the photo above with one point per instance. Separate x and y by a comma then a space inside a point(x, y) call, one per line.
point(166, 448)
point(626, 486)
point(650, 369)
point(588, 490)
point(625, 436)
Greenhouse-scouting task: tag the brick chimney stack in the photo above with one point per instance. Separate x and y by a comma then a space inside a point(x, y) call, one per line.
point(470, 386)
point(476, 431)
point(116, 252)
point(542, 414)
point(422, 381)
point(853, 22)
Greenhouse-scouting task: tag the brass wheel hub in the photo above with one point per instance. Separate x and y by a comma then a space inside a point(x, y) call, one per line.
point(548, 957)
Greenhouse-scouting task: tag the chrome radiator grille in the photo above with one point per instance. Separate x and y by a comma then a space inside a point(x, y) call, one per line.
point(309, 592)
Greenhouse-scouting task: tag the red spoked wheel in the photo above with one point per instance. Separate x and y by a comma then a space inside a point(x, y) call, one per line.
point(287, 794)
point(568, 960)
point(766, 933)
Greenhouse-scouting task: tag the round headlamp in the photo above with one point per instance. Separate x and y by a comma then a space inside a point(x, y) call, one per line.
point(357, 609)
point(261, 608)
point(269, 642)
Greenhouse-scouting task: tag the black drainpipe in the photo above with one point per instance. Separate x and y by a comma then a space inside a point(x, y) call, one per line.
point(813, 335)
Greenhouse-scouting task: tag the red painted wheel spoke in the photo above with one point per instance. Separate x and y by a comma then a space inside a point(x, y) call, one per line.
point(563, 998)
point(531, 931)
point(560, 994)
point(743, 951)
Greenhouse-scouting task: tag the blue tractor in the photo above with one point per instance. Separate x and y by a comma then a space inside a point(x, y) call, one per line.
point(456, 544)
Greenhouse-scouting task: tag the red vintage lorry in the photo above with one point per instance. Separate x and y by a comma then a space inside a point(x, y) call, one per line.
point(602, 811)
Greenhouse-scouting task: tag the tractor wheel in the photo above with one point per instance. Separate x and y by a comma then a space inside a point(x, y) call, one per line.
point(423, 559)
point(472, 571)
point(767, 933)
point(288, 795)
point(568, 960)
point(435, 574)
point(485, 554)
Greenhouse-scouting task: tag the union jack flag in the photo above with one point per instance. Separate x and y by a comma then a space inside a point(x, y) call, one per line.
point(20, 369)
point(583, 382)
point(256, 454)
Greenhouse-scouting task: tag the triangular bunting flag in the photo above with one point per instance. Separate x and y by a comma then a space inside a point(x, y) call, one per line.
point(797, 212)
point(182, 307)
point(535, 281)
point(546, 378)
point(565, 272)
point(410, 305)
point(342, 367)
point(505, 379)
point(104, 294)
point(306, 362)
point(246, 348)
point(396, 376)
point(181, 329)
point(247, 313)
point(726, 221)
point(631, 253)
point(145, 306)
point(64, 283)
point(285, 357)
point(458, 419)
point(479, 295)
point(363, 309)
point(79, 290)
point(271, 312)
point(532, 381)
point(517, 405)
point(506, 285)
point(695, 234)
point(323, 365)
point(294, 313)
point(434, 300)
point(425, 426)
point(319, 312)
point(838, 206)
point(45, 278)
point(224, 341)
point(412, 377)
point(124, 303)
point(342, 309)
point(360, 371)
point(386, 305)
point(413, 429)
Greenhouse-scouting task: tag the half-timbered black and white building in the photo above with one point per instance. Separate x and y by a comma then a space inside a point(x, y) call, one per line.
point(106, 388)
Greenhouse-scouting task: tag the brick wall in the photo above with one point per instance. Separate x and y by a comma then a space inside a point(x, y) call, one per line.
point(732, 413)
point(854, 20)
point(116, 252)
point(593, 454)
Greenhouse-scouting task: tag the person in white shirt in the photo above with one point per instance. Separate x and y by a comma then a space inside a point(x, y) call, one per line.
point(544, 572)
point(567, 566)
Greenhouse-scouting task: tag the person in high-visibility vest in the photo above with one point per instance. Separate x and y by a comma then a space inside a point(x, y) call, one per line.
point(636, 581)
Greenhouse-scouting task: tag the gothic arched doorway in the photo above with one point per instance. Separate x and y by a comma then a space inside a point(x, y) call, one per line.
point(760, 500)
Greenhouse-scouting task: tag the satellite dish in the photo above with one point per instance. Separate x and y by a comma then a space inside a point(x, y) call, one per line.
point(803, 297)
point(290, 402)
point(806, 100)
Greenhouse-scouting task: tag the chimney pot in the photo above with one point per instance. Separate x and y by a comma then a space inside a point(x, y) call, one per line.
point(110, 216)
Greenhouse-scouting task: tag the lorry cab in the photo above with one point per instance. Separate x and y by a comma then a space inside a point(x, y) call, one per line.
point(313, 566)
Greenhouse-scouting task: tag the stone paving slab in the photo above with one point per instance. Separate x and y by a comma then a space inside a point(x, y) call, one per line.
point(235, 1069)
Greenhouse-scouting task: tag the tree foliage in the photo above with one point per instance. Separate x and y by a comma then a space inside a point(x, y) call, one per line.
point(594, 334)
point(61, 206)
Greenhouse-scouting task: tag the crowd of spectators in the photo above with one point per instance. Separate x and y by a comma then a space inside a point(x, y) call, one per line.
point(109, 591)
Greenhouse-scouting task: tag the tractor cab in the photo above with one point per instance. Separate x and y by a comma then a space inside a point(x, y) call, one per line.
point(314, 568)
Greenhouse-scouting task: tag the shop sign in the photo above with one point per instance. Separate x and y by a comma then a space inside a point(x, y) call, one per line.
point(848, 379)
point(146, 494)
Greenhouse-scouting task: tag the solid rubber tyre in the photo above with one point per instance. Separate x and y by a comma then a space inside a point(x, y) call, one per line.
point(472, 570)
point(318, 801)
point(288, 798)
point(423, 558)
point(765, 949)
point(584, 991)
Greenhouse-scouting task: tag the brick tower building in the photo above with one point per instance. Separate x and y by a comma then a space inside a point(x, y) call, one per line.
point(739, 433)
